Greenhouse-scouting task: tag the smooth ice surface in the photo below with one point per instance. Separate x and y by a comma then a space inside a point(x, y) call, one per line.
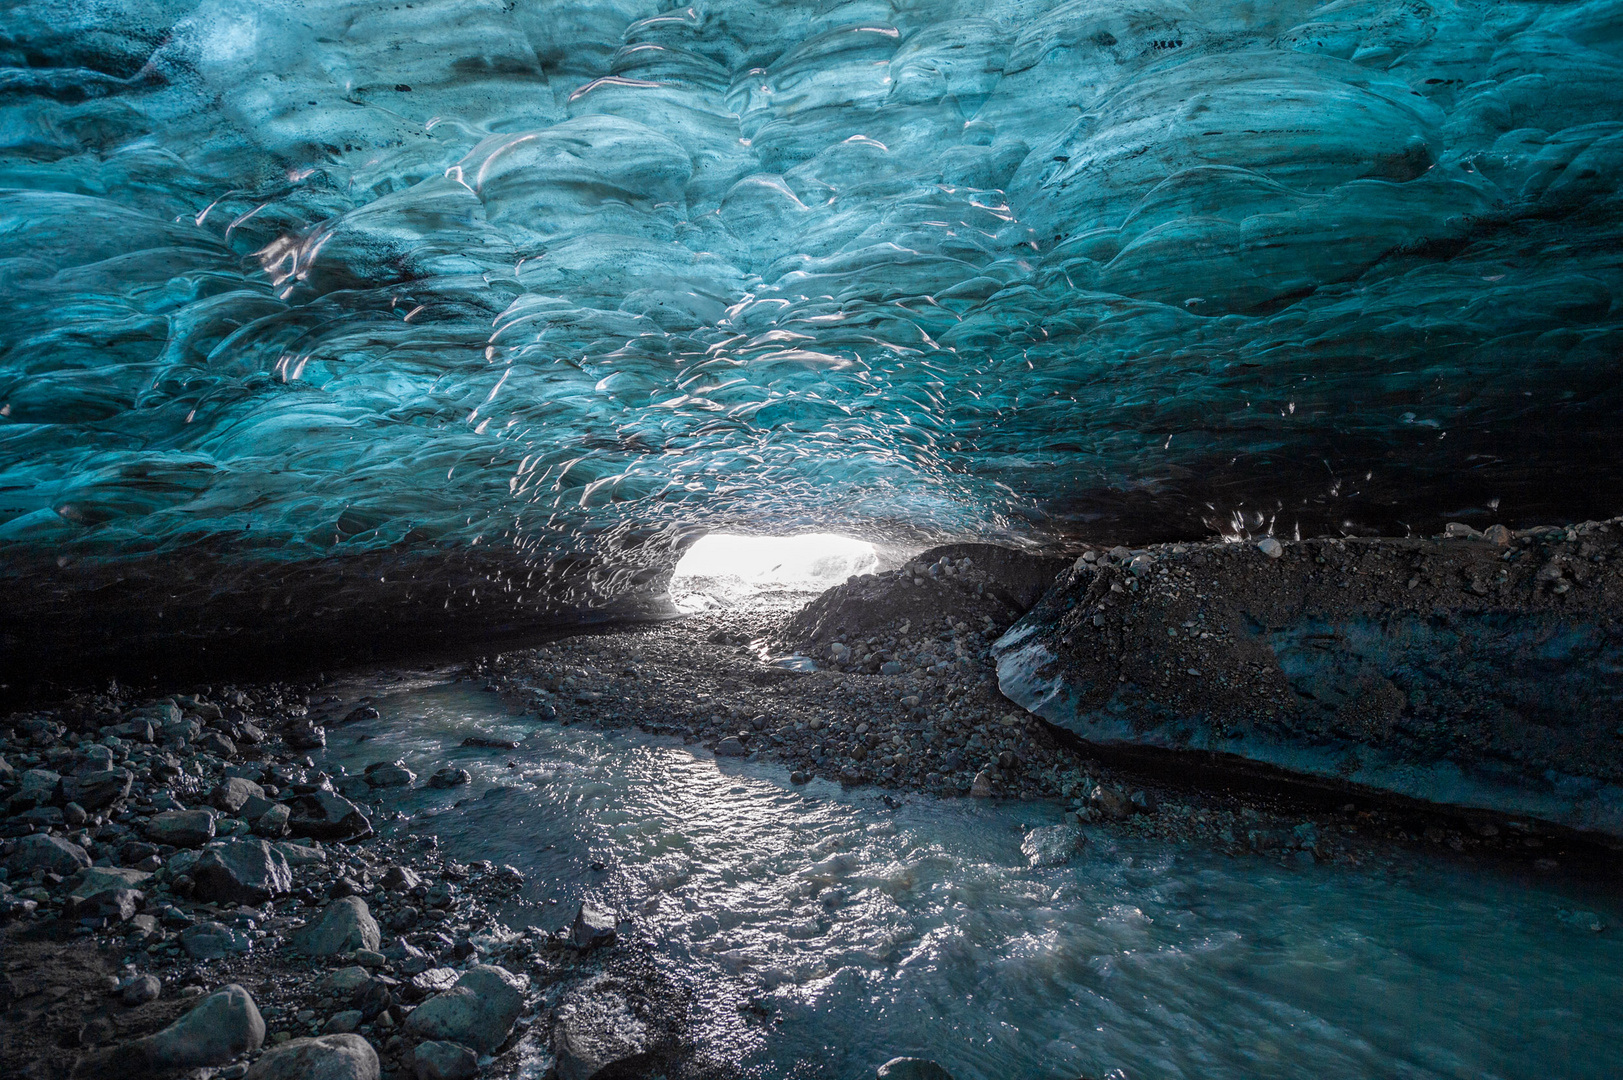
point(874, 932)
point(533, 282)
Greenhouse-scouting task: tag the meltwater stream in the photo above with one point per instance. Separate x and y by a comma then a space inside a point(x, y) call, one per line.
point(874, 931)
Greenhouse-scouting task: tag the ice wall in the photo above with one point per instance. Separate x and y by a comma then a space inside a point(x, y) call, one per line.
point(539, 289)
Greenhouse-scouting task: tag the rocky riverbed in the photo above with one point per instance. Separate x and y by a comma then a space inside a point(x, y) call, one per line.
point(177, 864)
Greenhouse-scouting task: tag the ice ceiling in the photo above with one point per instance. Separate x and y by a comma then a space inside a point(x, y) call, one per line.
point(323, 291)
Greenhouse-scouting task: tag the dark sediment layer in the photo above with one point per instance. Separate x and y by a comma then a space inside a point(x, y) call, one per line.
point(1476, 671)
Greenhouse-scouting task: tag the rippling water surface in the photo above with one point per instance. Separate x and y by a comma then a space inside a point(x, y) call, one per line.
point(874, 931)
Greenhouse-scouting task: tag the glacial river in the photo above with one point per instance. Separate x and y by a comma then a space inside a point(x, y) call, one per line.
point(868, 930)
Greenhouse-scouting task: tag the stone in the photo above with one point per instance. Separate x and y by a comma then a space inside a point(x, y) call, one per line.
point(182, 828)
point(306, 737)
point(595, 1031)
point(981, 787)
point(1052, 845)
point(37, 786)
point(216, 743)
point(326, 815)
point(440, 1060)
point(212, 941)
point(94, 879)
point(222, 1026)
point(388, 774)
point(449, 777)
point(110, 905)
point(478, 1011)
point(343, 1022)
point(912, 1068)
point(327, 1057)
point(241, 871)
point(594, 925)
point(233, 794)
point(400, 879)
point(1270, 547)
point(44, 852)
point(301, 854)
point(141, 989)
point(1110, 802)
point(273, 822)
point(344, 926)
point(98, 788)
point(731, 746)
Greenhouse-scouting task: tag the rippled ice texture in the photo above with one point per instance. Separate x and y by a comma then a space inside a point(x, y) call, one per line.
point(876, 932)
point(291, 279)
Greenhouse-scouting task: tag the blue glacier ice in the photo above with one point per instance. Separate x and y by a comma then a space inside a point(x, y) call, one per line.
point(327, 310)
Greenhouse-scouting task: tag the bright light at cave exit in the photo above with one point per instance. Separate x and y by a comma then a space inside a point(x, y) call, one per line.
point(810, 561)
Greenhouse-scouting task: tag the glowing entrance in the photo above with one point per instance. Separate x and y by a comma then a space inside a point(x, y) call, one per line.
point(721, 569)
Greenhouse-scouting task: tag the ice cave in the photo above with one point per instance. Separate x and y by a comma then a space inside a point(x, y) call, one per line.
point(792, 538)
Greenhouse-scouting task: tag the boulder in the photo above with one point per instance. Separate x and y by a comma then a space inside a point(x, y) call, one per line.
point(182, 828)
point(94, 879)
point(594, 925)
point(109, 905)
point(141, 989)
point(221, 1027)
point(912, 1068)
point(1052, 845)
point(301, 854)
point(98, 789)
point(212, 940)
point(233, 794)
point(273, 822)
point(731, 746)
point(478, 1011)
point(449, 777)
point(594, 1031)
point(216, 743)
point(437, 1060)
point(241, 871)
point(45, 852)
point(345, 925)
point(326, 815)
point(387, 774)
point(401, 879)
point(328, 1057)
point(37, 786)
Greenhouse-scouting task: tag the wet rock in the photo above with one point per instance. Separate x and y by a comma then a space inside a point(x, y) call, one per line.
point(182, 828)
point(234, 793)
point(241, 871)
point(981, 786)
point(1110, 803)
point(449, 777)
point(222, 1026)
point(400, 879)
point(45, 852)
point(595, 1031)
point(98, 788)
point(326, 815)
point(327, 1057)
point(306, 737)
point(731, 747)
point(212, 940)
point(1052, 845)
point(912, 1068)
point(593, 926)
point(388, 774)
point(141, 989)
point(344, 926)
point(485, 742)
point(478, 1011)
point(438, 1060)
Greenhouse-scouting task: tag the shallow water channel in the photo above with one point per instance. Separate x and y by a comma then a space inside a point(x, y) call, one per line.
point(873, 931)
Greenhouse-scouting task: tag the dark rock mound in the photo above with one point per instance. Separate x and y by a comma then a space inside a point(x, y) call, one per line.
point(1482, 671)
point(971, 583)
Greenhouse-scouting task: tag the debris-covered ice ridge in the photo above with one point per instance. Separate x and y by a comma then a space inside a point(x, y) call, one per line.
point(301, 281)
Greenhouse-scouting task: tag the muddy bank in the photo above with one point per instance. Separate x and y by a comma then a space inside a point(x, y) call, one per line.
point(1476, 671)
